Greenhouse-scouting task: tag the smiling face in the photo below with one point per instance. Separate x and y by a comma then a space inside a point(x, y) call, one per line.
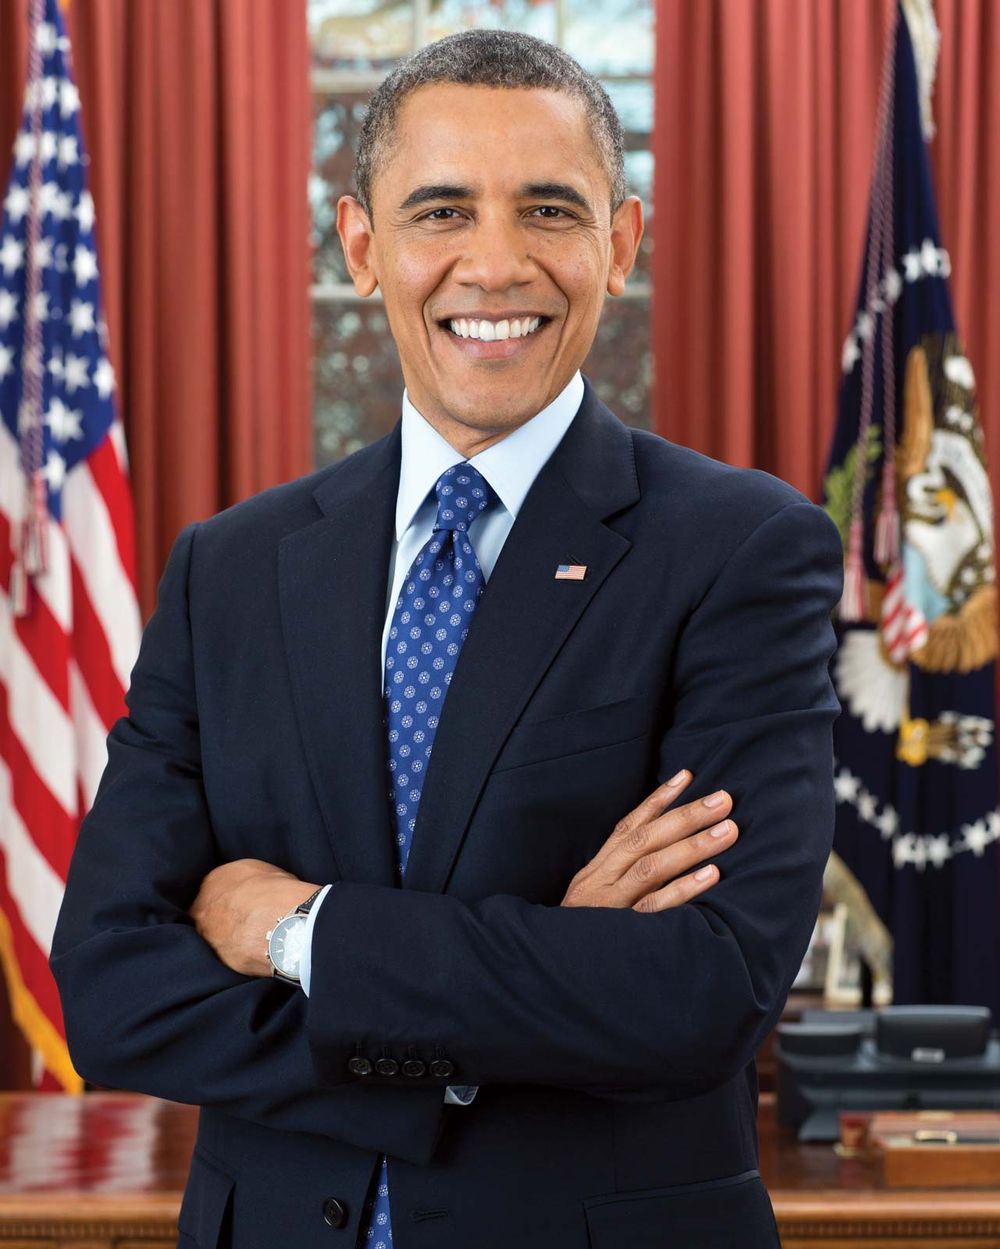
point(492, 207)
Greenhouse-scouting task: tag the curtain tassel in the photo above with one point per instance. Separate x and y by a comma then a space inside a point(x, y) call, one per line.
point(852, 604)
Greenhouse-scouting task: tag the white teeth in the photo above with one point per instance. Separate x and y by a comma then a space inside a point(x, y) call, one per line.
point(488, 331)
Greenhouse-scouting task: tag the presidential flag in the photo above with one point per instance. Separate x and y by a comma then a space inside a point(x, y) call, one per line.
point(69, 616)
point(916, 776)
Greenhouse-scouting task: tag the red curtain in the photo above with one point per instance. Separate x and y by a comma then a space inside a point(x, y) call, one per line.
point(197, 120)
point(763, 140)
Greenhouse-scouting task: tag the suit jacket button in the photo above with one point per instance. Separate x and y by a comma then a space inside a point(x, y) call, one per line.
point(359, 1066)
point(334, 1212)
point(442, 1067)
point(414, 1067)
point(387, 1067)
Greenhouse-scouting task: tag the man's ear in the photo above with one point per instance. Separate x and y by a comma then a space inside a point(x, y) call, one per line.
point(355, 232)
point(626, 233)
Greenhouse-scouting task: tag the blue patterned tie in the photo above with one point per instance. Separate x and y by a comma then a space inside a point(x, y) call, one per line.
point(429, 624)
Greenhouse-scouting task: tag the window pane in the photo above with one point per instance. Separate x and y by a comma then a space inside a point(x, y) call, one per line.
point(358, 385)
point(611, 36)
point(534, 17)
point(633, 102)
point(359, 34)
point(335, 137)
point(620, 363)
point(357, 382)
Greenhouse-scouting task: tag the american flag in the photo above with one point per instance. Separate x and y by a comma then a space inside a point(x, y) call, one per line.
point(916, 785)
point(571, 572)
point(69, 615)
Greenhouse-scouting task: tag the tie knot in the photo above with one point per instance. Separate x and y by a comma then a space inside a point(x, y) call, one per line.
point(462, 493)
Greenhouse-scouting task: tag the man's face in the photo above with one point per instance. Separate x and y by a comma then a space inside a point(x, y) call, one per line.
point(492, 206)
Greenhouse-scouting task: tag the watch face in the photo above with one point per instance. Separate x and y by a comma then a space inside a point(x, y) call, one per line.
point(285, 945)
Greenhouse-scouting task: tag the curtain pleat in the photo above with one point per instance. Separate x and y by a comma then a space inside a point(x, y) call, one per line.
point(197, 120)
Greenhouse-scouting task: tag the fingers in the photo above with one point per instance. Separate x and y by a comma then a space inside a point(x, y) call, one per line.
point(662, 796)
point(634, 840)
point(679, 891)
point(667, 864)
point(673, 826)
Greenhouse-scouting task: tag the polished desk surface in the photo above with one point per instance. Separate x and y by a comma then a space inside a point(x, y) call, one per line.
point(109, 1169)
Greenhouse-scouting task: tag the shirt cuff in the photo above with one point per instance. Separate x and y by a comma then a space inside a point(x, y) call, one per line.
point(460, 1094)
point(305, 962)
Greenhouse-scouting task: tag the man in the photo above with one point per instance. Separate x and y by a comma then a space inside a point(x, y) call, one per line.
point(615, 611)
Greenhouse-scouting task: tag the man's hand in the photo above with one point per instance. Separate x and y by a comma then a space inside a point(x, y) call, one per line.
point(238, 903)
point(640, 864)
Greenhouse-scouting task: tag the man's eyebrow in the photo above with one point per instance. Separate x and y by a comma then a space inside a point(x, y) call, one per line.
point(530, 190)
point(555, 190)
point(436, 190)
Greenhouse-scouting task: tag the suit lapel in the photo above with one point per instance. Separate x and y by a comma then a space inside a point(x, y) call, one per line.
point(333, 585)
point(520, 623)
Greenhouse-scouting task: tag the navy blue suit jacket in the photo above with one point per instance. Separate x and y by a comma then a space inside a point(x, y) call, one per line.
point(614, 1049)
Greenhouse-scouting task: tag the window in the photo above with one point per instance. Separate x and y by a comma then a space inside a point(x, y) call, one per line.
point(357, 380)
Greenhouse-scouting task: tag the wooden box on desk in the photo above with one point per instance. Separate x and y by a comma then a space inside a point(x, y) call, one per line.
point(936, 1148)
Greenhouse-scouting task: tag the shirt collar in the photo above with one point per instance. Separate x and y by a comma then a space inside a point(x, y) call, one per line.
point(509, 465)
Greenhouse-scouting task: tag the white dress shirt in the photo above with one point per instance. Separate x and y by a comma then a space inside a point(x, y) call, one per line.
point(510, 466)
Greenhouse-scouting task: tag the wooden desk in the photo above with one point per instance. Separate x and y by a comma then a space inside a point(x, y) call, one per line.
point(108, 1170)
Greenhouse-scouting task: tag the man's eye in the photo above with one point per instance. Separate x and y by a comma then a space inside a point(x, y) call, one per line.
point(430, 216)
point(550, 208)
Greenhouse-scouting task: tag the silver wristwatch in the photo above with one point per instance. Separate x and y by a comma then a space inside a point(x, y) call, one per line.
point(286, 939)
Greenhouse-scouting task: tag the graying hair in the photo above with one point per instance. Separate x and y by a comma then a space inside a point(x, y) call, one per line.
point(488, 58)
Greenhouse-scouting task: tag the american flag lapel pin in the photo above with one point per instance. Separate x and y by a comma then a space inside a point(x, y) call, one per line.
point(571, 572)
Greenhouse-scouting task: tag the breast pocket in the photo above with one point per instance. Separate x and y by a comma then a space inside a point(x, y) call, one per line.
point(714, 1214)
point(207, 1200)
point(573, 732)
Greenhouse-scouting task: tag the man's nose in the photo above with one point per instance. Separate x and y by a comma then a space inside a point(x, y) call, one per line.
point(496, 255)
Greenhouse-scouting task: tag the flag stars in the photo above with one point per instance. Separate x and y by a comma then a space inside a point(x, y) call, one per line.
point(47, 197)
point(45, 38)
point(85, 212)
point(84, 265)
point(16, 203)
point(104, 377)
point(852, 353)
point(912, 266)
point(6, 361)
point(50, 91)
point(81, 317)
point(68, 151)
point(934, 259)
point(24, 147)
point(54, 471)
point(63, 422)
point(43, 253)
point(48, 146)
point(75, 373)
point(977, 837)
point(8, 307)
point(62, 205)
point(11, 255)
point(69, 98)
point(893, 285)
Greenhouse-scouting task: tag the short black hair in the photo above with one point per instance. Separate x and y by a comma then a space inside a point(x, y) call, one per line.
point(488, 58)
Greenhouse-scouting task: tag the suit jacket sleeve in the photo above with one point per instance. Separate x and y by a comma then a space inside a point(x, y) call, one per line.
point(614, 1000)
point(147, 1004)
